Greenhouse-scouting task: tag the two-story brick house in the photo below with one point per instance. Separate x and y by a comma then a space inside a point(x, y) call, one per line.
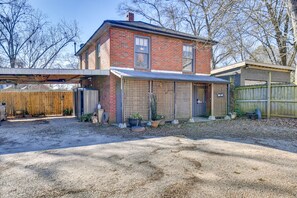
point(145, 59)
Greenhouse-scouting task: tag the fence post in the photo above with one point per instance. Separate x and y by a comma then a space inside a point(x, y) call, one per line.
point(268, 94)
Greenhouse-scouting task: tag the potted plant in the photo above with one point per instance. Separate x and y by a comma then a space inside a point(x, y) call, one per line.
point(156, 119)
point(161, 119)
point(135, 119)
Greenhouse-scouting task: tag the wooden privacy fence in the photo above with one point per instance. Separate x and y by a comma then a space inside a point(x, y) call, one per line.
point(272, 100)
point(36, 103)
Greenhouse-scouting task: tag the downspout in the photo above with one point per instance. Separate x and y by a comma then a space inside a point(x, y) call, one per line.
point(150, 100)
point(228, 98)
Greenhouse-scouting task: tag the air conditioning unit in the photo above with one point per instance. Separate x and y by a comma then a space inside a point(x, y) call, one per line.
point(3, 115)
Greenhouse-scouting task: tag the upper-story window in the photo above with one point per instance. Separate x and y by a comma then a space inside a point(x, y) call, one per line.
point(142, 52)
point(87, 59)
point(188, 61)
point(98, 58)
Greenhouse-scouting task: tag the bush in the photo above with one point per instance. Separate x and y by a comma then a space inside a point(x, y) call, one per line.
point(159, 117)
point(67, 112)
point(86, 117)
point(136, 116)
point(154, 106)
point(239, 113)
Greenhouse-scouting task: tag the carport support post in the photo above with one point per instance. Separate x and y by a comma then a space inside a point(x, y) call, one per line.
point(268, 94)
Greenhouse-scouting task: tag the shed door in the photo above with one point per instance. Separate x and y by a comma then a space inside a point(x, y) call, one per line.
point(199, 101)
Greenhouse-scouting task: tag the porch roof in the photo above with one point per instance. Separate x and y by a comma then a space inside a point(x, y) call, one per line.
point(167, 76)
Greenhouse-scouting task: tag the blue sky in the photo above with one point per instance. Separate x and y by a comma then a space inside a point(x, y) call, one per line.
point(88, 13)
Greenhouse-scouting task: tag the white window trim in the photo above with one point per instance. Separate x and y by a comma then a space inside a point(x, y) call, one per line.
point(193, 57)
point(149, 52)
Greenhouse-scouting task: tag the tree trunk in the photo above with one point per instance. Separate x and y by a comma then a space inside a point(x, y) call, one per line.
point(292, 6)
point(12, 62)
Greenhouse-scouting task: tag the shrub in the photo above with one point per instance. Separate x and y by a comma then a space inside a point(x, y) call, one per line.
point(86, 117)
point(136, 116)
point(67, 112)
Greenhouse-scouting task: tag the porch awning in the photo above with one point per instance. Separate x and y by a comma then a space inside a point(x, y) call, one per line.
point(167, 76)
point(46, 76)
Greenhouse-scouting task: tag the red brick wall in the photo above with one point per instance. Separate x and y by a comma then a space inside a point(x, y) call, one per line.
point(83, 61)
point(107, 93)
point(121, 48)
point(203, 58)
point(104, 53)
point(166, 52)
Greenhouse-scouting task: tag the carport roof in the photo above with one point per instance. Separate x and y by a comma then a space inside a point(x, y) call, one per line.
point(46, 76)
point(167, 76)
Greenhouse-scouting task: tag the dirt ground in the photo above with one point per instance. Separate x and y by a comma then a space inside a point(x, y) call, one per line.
point(66, 158)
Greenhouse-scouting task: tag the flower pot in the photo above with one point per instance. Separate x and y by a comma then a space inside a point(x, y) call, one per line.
point(155, 123)
point(162, 122)
point(134, 122)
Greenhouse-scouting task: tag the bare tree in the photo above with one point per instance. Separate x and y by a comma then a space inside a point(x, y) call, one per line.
point(207, 18)
point(243, 28)
point(267, 26)
point(292, 12)
point(43, 48)
point(27, 39)
point(2, 2)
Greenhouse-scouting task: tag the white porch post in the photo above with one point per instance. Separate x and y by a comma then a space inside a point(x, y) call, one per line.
point(212, 116)
point(122, 99)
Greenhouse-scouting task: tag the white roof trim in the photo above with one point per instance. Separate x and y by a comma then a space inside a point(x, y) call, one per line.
point(123, 68)
point(166, 71)
point(252, 63)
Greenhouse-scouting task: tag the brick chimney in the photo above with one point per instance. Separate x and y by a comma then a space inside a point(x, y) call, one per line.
point(130, 16)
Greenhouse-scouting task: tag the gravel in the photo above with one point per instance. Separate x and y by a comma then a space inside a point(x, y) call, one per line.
point(157, 167)
point(54, 157)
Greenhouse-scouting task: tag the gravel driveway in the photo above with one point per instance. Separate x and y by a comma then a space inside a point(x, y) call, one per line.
point(50, 133)
point(65, 158)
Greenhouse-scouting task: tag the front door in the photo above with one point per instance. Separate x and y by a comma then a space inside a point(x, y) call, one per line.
point(199, 100)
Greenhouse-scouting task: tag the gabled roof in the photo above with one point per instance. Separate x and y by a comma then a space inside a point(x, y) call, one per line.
point(145, 27)
point(254, 65)
point(166, 76)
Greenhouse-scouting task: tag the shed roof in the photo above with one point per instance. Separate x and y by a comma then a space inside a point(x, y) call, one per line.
point(167, 76)
point(254, 65)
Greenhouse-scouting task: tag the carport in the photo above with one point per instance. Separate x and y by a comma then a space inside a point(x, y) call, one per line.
point(47, 76)
point(41, 102)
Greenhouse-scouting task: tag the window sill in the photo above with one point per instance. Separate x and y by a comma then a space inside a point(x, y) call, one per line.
point(187, 72)
point(141, 69)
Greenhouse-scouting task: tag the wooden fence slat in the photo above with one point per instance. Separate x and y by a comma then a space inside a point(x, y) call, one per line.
point(49, 103)
point(283, 100)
